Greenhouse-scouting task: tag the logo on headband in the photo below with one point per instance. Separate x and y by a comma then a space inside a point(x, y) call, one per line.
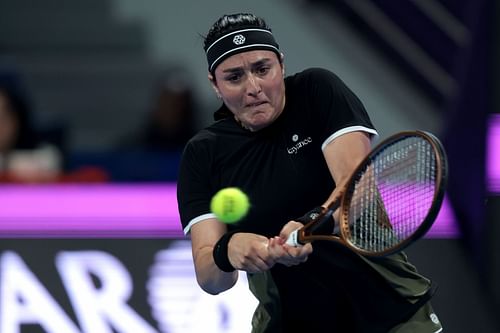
point(239, 39)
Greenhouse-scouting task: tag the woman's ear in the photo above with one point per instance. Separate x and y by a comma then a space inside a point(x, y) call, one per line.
point(282, 62)
point(213, 83)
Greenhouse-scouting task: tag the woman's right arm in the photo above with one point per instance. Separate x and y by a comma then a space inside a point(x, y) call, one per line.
point(204, 236)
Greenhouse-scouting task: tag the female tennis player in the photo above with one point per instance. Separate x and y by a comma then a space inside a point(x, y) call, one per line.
point(289, 143)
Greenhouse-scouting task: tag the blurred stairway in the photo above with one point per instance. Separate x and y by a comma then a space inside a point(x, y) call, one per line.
point(82, 67)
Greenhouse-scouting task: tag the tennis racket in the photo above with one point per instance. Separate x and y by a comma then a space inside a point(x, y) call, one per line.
point(390, 201)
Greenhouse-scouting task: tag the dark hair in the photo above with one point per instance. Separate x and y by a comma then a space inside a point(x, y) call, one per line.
point(231, 22)
point(224, 25)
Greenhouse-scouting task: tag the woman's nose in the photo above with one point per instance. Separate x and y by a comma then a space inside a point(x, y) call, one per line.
point(253, 86)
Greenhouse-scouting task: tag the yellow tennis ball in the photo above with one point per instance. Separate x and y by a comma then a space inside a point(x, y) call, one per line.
point(230, 204)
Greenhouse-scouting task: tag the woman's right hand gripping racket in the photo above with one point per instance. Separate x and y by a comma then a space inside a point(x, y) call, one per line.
point(391, 200)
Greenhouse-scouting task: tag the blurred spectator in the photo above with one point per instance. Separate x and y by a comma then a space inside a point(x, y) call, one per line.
point(170, 121)
point(24, 157)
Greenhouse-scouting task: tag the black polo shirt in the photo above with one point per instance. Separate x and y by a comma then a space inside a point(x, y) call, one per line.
point(284, 173)
point(281, 167)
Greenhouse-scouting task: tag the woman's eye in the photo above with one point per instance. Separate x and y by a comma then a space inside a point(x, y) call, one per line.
point(263, 70)
point(235, 77)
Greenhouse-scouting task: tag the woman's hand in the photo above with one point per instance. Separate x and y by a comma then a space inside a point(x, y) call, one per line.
point(250, 252)
point(286, 254)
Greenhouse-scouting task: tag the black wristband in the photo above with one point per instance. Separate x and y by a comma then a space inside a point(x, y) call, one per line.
point(310, 215)
point(220, 252)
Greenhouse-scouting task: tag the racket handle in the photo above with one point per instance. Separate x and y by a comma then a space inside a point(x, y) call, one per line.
point(293, 239)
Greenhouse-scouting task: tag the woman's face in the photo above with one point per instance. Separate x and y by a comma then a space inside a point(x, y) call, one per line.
point(8, 124)
point(251, 85)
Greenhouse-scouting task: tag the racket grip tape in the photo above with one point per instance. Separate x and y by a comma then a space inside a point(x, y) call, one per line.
point(293, 239)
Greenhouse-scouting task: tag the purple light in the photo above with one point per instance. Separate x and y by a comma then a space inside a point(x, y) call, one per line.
point(113, 211)
point(89, 211)
point(445, 225)
point(493, 155)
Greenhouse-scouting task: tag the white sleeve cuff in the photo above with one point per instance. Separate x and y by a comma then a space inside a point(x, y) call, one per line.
point(198, 219)
point(346, 130)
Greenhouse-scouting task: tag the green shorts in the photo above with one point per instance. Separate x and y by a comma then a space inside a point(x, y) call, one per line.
point(423, 321)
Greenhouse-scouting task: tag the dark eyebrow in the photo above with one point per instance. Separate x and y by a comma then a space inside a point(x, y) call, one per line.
point(233, 70)
point(258, 63)
point(261, 62)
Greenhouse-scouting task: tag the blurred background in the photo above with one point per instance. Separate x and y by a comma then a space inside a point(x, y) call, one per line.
point(98, 97)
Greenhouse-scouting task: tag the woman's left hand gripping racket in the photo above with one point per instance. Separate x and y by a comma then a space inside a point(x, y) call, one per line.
point(391, 200)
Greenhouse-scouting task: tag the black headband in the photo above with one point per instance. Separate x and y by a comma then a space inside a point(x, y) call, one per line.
point(240, 41)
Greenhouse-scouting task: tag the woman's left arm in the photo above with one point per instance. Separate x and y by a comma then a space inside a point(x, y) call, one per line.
point(343, 155)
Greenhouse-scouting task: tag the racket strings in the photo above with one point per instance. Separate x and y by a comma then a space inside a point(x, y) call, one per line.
point(393, 195)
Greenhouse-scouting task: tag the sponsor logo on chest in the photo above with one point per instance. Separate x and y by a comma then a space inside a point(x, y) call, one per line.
point(298, 144)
